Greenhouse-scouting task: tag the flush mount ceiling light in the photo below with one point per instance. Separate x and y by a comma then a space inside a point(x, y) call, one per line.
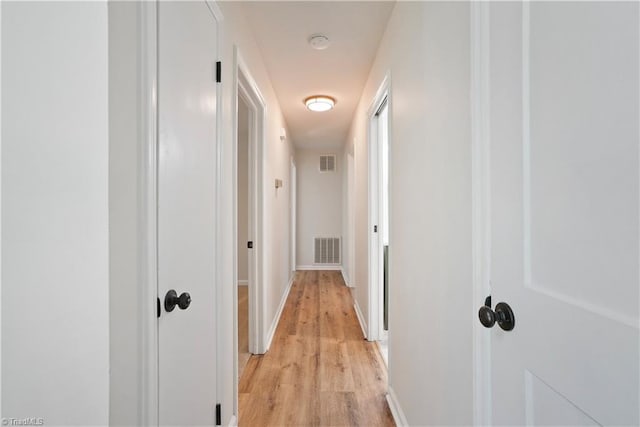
point(319, 41)
point(320, 103)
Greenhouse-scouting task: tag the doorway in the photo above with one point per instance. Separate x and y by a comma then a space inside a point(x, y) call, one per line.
point(379, 139)
point(247, 237)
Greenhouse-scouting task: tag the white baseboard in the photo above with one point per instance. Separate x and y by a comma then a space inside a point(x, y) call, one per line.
point(396, 409)
point(336, 267)
point(345, 277)
point(276, 319)
point(243, 283)
point(233, 422)
point(360, 317)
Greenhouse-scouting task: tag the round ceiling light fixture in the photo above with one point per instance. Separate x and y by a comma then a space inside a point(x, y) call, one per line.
point(319, 103)
point(319, 41)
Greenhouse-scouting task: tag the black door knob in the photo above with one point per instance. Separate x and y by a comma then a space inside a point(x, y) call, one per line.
point(503, 315)
point(172, 299)
point(487, 316)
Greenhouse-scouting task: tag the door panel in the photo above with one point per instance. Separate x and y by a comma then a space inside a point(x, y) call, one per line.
point(583, 115)
point(549, 407)
point(186, 215)
point(564, 211)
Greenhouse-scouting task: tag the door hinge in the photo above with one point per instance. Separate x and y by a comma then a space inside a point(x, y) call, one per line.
point(158, 306)
point(250, 245)
point(218, 72)
point(375, 228)
point(218, 414)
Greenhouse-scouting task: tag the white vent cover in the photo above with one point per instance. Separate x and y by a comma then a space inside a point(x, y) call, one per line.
point(326, 250)
point(327, 163)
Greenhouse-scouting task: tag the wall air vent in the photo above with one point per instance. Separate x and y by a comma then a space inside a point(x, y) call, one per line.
point(326, 250)
point(327, 163)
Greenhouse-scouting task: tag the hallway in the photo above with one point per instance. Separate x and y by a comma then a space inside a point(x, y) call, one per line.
point(319, 369)
point(207, 205)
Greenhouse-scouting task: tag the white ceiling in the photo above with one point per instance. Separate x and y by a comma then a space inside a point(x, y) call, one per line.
point(282, 30)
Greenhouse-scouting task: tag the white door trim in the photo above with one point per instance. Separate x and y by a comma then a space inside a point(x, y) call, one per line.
point(0, 220)
point(217, 14)
point(351, 219)
point(374, 247)
point(481, 215)
point(294, 212)
point(244, 86)
point(147, 185)
point(218, 200)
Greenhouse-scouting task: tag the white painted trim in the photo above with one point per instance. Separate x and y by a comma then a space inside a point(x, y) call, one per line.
point(243, 283)
point(639, 182)
point(345, 277)
point(233, 422)
point(374, 247)
point(234, 239)
point(351, 216)
point(332, 267)
point(481, 224)
point(294, 212)
point(276, 319)
point(363, 324)
point(148, 388)
point(219, 218)
point(396, 410)
point(0, 216)
point(215, 10)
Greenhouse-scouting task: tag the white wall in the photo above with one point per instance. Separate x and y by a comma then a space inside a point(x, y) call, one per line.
point(243, 190)
point(319, 204)
point(55, 278)
point(275, 244)
point(426, 49)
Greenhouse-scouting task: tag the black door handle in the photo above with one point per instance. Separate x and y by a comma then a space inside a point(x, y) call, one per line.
point(503, 315)
point(172, 299)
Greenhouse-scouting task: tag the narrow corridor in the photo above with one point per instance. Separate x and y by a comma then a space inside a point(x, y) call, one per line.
point(319, 370)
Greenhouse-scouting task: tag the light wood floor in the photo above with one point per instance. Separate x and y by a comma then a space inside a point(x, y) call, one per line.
point(319, 370)
point(243, 328)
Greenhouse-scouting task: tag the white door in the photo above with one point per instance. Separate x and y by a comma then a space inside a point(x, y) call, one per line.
point(564, 197)
point(186, 215)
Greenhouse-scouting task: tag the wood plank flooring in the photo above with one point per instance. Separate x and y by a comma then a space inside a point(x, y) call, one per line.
point(320, 371)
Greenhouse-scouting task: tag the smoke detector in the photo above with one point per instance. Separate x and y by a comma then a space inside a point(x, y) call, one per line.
point(319, 41)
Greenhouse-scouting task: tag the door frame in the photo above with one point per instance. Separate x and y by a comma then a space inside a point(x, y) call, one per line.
point(375, 250)
point(351, 219)
point(147, 324)
point(294, 212)
point(148, 387)
point(244, 86)
point(481, 213)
